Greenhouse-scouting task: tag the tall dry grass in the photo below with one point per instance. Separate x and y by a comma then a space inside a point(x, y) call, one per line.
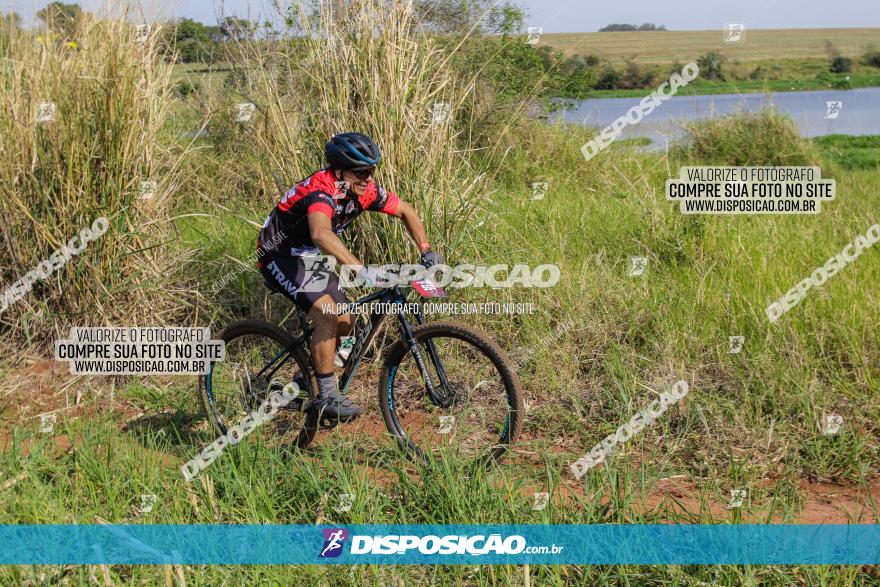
point(370, 71)
point(112, 92)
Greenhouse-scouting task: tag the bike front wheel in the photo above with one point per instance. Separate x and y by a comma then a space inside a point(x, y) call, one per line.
point(454, 394)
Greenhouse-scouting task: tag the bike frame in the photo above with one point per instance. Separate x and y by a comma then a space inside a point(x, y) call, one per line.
point(395, 295)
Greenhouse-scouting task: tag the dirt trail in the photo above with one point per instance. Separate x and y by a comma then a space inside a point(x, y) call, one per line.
point(45, 387)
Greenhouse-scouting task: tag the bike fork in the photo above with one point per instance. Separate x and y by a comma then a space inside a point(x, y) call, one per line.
point(415, 348)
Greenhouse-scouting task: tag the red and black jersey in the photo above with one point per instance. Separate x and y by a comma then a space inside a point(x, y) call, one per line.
point(320, 193)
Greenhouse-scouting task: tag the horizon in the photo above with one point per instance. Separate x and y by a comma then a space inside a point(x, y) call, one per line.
point(560, 17)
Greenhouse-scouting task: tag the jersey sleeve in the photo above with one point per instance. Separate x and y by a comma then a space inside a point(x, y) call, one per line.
point(385, 201)
point(319, 202)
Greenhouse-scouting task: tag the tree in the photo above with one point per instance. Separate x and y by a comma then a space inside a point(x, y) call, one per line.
point(194, 41)
point(10, 21)
point(648, 26)
point(233, 28)
point(62, 18)
point(507, 19)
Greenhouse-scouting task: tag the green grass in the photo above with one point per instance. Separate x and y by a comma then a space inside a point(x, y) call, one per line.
point(600, 347)
point(253, 484)
point(778, 75)
point(708, 278)
point(851, 153)
point(700, 87)
point(775, 75)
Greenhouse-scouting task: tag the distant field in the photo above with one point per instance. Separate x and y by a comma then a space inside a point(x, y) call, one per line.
point(671, 46)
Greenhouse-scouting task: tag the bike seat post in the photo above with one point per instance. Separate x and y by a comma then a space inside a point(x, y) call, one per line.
point(304, 323)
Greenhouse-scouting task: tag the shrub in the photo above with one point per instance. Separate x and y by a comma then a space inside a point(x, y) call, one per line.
point(609, 79)
point(591, 60)
point(871, 57)
point(841, 64)
point(636, 77)
point(184, 88)
point(760, 138)
point(711, 65)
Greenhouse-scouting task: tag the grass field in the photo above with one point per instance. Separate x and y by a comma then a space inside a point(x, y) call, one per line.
point(601, 345)
point(683, 46)
point(788, 80)
point(752, 420)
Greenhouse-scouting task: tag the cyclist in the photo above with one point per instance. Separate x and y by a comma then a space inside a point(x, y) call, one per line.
point(307, 222)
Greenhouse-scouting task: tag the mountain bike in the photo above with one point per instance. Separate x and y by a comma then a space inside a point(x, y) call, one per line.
point(445, 387)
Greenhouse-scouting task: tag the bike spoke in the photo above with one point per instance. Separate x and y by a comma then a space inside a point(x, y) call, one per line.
point(237, 390)
point(471, 418)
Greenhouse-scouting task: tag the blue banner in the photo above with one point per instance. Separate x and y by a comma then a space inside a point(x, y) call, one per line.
point(440, 544)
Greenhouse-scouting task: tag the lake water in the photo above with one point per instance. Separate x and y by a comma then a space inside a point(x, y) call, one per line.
point(859, 112)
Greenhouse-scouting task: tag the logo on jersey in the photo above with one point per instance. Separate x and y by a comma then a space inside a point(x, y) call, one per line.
point(334, 540)
point(281, 279)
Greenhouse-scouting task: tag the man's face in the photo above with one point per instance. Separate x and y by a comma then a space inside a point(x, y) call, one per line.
point(358, 179)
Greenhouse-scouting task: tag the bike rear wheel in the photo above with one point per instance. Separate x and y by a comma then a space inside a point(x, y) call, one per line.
point(235, 387)
point(477, 409)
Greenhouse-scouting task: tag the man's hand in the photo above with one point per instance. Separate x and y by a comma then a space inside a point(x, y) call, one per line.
point(431, 258)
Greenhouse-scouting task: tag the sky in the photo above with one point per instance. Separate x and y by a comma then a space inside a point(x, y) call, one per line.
point(560, 16)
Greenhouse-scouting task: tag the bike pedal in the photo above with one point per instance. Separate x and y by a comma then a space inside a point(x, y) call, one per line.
point(298, 405)
point(329, 423)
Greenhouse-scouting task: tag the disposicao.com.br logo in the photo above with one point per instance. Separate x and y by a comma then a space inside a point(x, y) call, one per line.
point(334, 541)
point(393, 544)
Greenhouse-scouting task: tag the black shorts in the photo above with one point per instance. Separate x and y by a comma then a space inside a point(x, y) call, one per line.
point(302, 279)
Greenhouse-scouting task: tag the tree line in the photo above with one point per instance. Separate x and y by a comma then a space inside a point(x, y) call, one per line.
point(193, 41)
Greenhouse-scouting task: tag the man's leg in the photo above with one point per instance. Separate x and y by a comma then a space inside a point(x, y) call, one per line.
point(289, 274)
point(327, 326)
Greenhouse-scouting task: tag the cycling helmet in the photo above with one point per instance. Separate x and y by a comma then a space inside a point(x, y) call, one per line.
point(351, 150)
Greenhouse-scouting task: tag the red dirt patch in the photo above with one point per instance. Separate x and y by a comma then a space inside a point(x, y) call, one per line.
point(679, 498)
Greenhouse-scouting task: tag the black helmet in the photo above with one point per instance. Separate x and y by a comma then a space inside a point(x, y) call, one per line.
point(351, 150)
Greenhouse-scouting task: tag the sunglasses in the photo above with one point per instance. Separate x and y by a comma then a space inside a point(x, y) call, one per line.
point(363, 172)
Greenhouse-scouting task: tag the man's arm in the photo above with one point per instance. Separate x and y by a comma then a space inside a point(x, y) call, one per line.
point(413, 223)
point(323, 236)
